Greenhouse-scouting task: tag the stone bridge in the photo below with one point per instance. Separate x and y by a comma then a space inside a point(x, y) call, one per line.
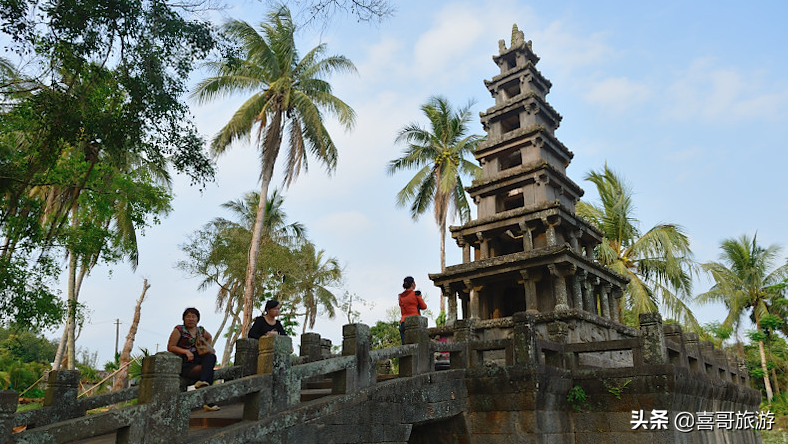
point(513, 389)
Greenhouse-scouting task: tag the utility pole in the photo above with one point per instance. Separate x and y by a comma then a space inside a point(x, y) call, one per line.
point(117, 332)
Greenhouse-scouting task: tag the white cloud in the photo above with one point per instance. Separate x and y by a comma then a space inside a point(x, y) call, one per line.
point(617, 94)
point(712, 93)
point(569, 51)
point(443, 45)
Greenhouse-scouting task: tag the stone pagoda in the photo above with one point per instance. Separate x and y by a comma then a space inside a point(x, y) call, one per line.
point(526, 250)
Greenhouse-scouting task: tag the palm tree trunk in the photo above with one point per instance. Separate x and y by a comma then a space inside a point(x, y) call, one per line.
point(443, 260)
point(269, 159)
point(125, 355)
point(766, 383)
point(83, 270)
point(72, 297)
point(224, 320)
point(232, 335)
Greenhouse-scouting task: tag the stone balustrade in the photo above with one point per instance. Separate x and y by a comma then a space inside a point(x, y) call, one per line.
point(269, 380)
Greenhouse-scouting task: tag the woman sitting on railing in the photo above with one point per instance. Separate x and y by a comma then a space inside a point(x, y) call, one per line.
point(183, 341)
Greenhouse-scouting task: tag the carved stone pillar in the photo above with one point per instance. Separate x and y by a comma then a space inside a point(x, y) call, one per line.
point(528, 240)
point(615, 303)
point(474, 306)
point(604, 301)
point(589, 301)
point(466, 250)
point(550, 230)
point(530, 278)
point(577, 293)
point(451, 296)
point(573, 240)
point(484, 245)
point(559, 288)
point(589, 252)
point(580, 286)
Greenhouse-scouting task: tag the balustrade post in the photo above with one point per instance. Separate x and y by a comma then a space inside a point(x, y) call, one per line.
point(258, 359)
point(246, 355)
point(286, 388)
point(463, 333)
point(61, 394)
point(673, 333)
point(422, 360)
point(310, 347)
point(707, 350)
point(524, 339)
point(166, 420)
point(325, 347)
point(652, 339)
point(356, 340)
point(8, 404)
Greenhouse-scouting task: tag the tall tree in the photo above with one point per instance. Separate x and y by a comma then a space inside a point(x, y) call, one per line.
point(309, 285)
point(744, 283)
point(217, 254)
point(658, 263)
point(439, 153)
point(99, 82)
point(125, 355)
point(289, 97)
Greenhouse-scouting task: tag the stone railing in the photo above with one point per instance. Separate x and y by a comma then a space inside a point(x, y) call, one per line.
point(267, 379)
point(63, 417)
point(656, 344)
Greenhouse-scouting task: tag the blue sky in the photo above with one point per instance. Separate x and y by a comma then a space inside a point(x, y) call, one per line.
point(688, 100)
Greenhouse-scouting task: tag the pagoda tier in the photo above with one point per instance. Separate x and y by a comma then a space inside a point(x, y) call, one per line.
point(526, 250)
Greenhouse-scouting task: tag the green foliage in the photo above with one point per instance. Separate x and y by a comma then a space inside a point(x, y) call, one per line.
point(440, 321)
point(658, 263)
point(746, 281)
point(756, 335)
point(770, 322)
point(616, 390)
point(289, 103)
point(577, 398)
point(24, 358)
point(111, 366)
point(26, 346)
point(26, 293)
point(439, 154)
point(715, 332)
point(96, 111)
point(135, 368)
point(384, 335)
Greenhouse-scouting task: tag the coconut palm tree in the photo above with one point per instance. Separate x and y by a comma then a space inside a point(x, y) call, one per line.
point(309, 285)
point(215, 255)
point(743, 282)
point(289, 97)
point(439, 153)
point(658, 263)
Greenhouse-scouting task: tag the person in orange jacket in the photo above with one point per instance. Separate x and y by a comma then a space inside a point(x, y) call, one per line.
point(410, 304)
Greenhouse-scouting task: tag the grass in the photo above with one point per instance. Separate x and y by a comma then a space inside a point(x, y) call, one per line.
point(774, 436)
point(29, 406)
